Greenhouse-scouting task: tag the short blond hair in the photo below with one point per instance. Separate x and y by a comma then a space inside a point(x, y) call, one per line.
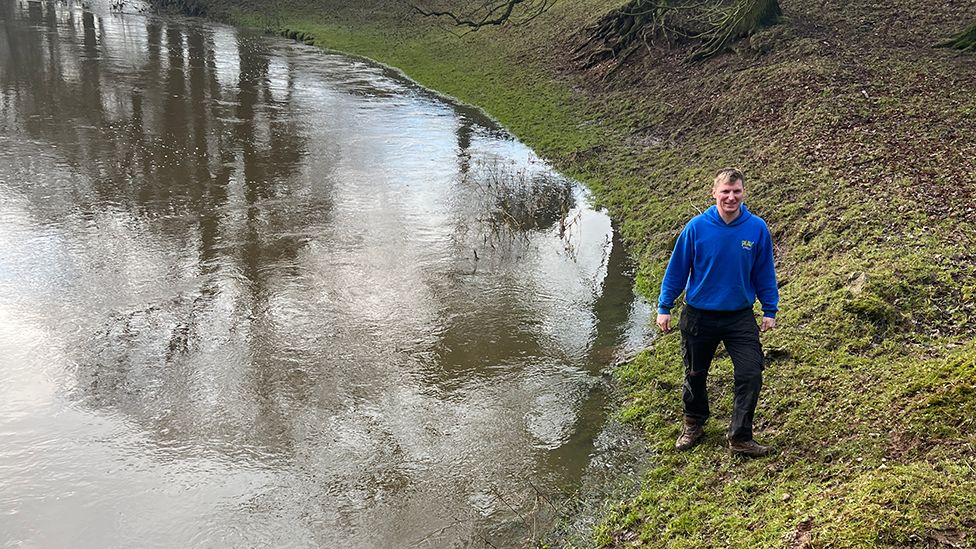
point(728, 175)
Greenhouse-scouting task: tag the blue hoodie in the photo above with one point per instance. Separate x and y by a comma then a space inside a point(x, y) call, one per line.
point(722, 267)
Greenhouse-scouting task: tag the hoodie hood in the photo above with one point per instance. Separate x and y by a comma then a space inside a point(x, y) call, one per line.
point(712, 215)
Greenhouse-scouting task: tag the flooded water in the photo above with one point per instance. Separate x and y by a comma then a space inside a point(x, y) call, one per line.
point(257, 295)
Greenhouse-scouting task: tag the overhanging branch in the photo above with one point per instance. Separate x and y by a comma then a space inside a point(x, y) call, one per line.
point(494, 13)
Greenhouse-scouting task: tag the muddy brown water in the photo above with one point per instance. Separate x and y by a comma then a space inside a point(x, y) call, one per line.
point(257, 295)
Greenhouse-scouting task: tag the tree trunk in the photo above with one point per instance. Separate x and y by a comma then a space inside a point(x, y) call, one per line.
point(743, 19)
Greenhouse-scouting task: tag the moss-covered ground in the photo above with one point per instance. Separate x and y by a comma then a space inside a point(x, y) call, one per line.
point(858, 139)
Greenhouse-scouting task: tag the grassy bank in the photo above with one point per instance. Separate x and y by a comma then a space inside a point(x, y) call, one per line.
point(859, 142)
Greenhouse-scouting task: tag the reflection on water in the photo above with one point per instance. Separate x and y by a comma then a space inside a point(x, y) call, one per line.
point(253, 294)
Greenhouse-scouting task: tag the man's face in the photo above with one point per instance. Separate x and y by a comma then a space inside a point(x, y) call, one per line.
point(728, 196)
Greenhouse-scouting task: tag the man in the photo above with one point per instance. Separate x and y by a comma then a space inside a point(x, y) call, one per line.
point(723, 260)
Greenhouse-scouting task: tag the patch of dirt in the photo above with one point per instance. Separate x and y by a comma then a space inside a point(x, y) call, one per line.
point(948, 538)
point(803, 535)
point(901, 446)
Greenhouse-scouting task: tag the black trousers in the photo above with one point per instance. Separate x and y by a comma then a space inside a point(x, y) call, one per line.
point(701, 332)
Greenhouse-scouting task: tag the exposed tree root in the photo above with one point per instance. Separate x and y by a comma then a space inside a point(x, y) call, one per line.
point(617, 34)
point(965, 40)
point(714, 24)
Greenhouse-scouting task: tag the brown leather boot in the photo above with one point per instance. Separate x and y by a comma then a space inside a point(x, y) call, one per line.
point(749, 448)
point(691, 433)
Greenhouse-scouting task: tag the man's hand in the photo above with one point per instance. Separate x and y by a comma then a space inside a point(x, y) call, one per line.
point(767, 323)
point(664, 322)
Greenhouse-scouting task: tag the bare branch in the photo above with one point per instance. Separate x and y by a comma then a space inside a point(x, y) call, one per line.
point(495, 13)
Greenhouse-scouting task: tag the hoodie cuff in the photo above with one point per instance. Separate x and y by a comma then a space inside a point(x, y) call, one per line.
point(770, 314)
point(663, 311)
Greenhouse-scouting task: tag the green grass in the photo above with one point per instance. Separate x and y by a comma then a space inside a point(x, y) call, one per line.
point(872, 453)
point(860, 153)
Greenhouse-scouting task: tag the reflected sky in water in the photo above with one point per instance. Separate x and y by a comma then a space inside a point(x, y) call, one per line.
point(254, 294)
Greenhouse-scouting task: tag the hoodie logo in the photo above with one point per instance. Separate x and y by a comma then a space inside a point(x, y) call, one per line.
point(747, 245)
